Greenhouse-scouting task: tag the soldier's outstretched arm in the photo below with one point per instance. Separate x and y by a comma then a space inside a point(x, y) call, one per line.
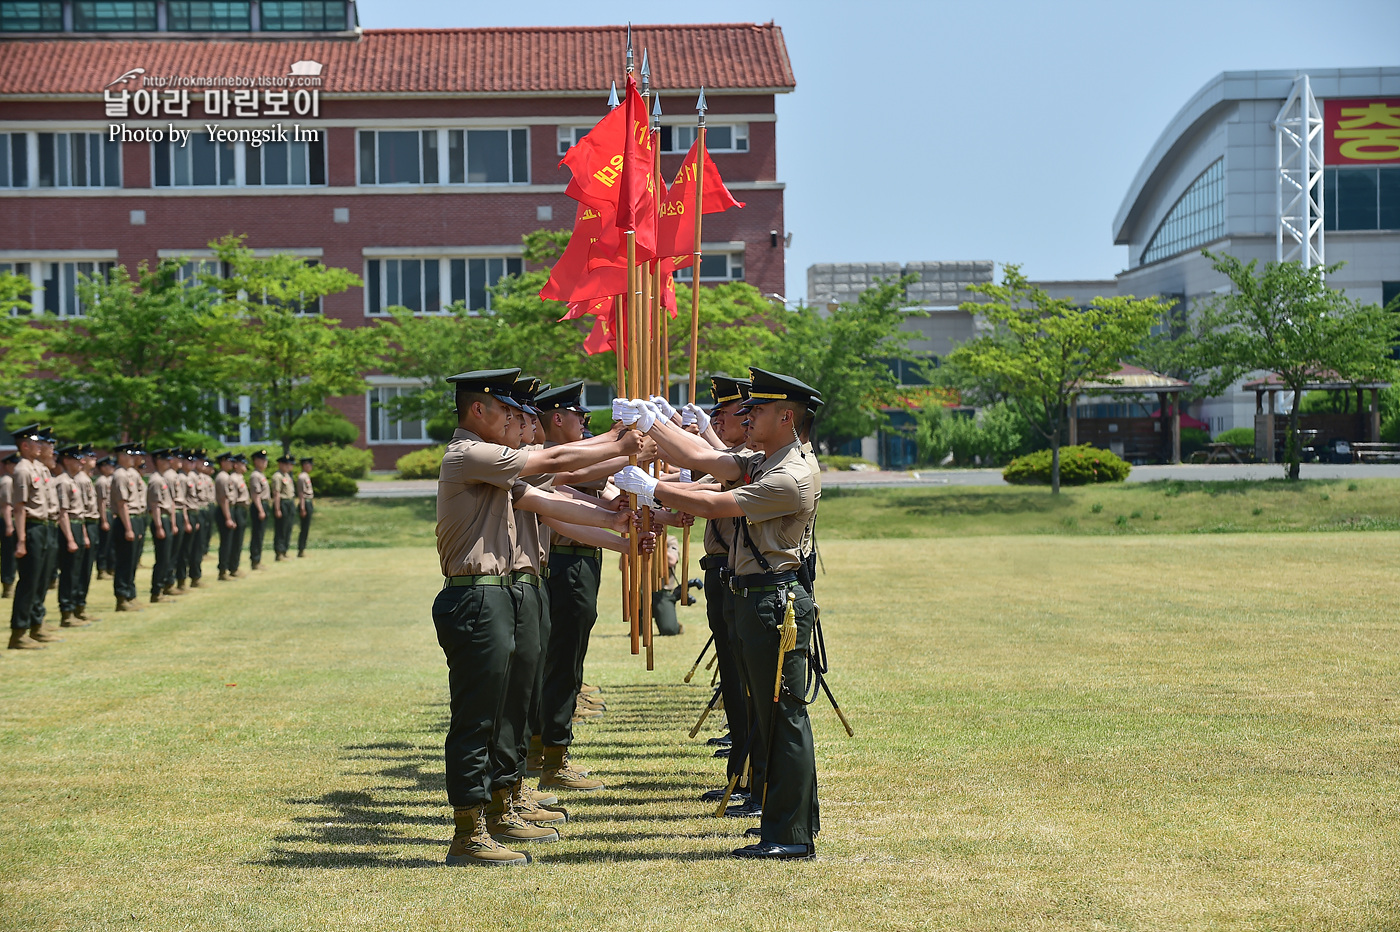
point(568, 457)
point(558, 507)
point(686, 449)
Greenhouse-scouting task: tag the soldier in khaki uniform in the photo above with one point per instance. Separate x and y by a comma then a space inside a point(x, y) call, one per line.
point(160, 504)
point(225, 498)
point(48, 457)
point(7, 525)
point(35, 522)
point(241, 503)
point(73, 543)
point(260, 498)
point(283, 506)
point(476, 612)
point(91, 523)
point(212, 516)
point(187, 560)
point(128, 524)
point(105, 558)
point(305, 505)
point(776, 507)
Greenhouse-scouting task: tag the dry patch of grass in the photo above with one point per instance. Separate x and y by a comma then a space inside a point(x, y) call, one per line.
point(1052, 733)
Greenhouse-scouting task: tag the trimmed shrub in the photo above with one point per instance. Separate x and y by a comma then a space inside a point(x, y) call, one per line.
point(322, 428)
point(1081, 465)
point(441, 426)
point(333, 485)
point(844, 462)
point(1239, 436)
point(421, 464)
point(336, 468)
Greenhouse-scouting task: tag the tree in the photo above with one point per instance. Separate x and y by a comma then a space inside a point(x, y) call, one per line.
point(1040, 349)
point(1285, 320)
point(289, 360)
point(22, 340)
point(147, 358)
point(844, 354)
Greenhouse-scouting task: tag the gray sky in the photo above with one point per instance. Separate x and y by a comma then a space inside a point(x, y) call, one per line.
point(977, 130)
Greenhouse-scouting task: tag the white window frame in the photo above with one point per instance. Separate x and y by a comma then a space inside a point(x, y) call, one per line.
point(373, 415)
point(38, 265)
point(733, 254)
point(445, 259)
point(683, 137)
point(31, 153)
point(241, 153)
point(444, 157)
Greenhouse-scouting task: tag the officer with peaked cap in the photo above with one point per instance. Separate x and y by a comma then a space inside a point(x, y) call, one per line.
point(283, 506)
point(476, 612)
point(7, 525)
point(211, 517)
point(773, 608)
point(73, 543)
point(91, 522)
point(241, 509)
point(102, 484)
point(35, 523)
point(128, 524)
point(186, 479)
point(306, 506)
point(260, 502)
point(226, 499)
point(160, 506)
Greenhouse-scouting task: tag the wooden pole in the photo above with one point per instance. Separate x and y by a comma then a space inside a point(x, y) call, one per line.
point(619, 328)
point(695, 312)
point(630, 575)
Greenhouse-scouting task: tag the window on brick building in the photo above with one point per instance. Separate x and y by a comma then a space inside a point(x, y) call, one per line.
point(114, 16)
point(719, 137)
point(304, 15)
point(430, 285)
point(716, 267)
point(78, 160)
point(444, 156)
point(62, 283)
point(209, 15)
point(383, 427)
point(14, 160)
point(202, 163)
point(21, 269)
point(44, 16)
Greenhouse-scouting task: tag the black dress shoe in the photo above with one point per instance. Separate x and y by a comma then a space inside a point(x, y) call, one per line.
point(722, 752)
point(754, 832)
point(714, 796)
point(750, 808)
point(720, 741)
point(772, 851)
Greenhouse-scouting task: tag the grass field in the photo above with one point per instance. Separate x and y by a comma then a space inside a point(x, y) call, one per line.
point(958, 512)
point(1127, 733)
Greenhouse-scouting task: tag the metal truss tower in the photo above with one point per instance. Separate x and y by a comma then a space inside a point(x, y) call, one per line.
point(1298, 136)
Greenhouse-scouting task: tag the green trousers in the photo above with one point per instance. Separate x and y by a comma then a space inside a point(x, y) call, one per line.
point(512, 736)
point(536, 719)
point(70, 568)
point(738, 709)
point(257, 528)
point(89, 554)
point(305, 525)
point(573, 610)
point(791, 814)
point(476, 631)
point(165, 547)
point(128, 554)
point(32, 572)
point(282, 527)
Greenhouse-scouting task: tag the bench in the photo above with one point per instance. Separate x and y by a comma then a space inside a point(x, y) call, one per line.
point(1376, 452)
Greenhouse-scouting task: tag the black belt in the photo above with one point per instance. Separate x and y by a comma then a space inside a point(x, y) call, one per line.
point(714, 561)
point(594, 552)
point(451, 581)
point(762, 582)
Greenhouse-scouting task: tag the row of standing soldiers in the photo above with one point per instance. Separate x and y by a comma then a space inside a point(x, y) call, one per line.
point(67, 514)
point(527, 502)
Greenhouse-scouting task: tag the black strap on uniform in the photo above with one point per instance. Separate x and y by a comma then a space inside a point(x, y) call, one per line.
point(757, 554)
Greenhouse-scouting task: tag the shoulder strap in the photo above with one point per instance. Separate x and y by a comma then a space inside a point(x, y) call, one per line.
point(748, 542)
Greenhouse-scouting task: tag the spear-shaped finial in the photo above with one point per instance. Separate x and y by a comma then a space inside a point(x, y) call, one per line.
point(631, 59)
point(701, 106)
point(646, 73)
point(613, 102)
point(656, 111)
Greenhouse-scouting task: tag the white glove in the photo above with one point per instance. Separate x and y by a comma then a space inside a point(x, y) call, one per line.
point(625, 410)
point(664, 406)
point(650, 414)
point(685, 475)
point(634, 480)
point(687, 416)
point(702, 417)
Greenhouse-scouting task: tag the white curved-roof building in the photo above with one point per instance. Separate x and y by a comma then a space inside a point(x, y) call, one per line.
point(1210, 181)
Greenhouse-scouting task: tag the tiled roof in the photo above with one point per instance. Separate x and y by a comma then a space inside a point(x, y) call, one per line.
point(734, 56)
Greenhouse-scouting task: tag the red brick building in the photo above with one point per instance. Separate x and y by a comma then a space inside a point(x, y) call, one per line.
point(416, 158)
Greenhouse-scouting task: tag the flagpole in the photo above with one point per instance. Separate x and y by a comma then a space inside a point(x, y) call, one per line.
point(695, 302)
point(630, 574)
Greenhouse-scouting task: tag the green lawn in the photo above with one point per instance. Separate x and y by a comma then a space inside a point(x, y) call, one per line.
point(963, 511)
point(1164, 732)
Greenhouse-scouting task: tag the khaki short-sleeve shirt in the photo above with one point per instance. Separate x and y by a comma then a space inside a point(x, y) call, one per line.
point(719, 532)
point(532, 536)
point(223, 488)
point(475, 517)
point(779, 505)
point(103, 485)
point(7, 490)
point(304, 486)
point(238, 488)
point(31, 490)
point(258, 487)
point(159, 495)
point(176, 486)
point(281, 484)
point(129, 487)
point(89, 493)
point(70, 499)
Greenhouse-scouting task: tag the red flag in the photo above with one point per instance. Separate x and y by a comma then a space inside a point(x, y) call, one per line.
point(604, 336)
point(676, 234)
point(575, 276)
point(577, 309)
point(636, 205)
point(596, 163)
point(612, 170)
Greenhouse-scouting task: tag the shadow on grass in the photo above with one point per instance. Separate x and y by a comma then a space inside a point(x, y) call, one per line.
point(392, 805)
